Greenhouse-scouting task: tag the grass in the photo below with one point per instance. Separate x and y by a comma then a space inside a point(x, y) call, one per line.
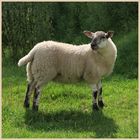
point(65, 110)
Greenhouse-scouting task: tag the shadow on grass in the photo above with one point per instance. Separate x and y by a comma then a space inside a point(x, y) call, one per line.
point(96, 123)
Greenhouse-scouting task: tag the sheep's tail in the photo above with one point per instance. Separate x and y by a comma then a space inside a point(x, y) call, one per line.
point(24, 60)
point(27, 58)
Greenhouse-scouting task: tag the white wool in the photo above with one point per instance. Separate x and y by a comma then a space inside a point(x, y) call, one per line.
point(62, 62)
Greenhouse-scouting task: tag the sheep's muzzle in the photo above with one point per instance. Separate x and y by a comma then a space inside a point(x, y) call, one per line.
point(94, 46)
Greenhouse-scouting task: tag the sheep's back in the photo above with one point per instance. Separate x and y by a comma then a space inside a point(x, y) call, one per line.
point(64, 60)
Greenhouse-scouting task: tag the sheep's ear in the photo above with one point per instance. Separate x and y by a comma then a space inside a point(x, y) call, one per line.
point(89, 34)
point(109, 34)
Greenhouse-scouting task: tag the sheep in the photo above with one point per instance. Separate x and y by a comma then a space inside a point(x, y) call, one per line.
point(62, 62)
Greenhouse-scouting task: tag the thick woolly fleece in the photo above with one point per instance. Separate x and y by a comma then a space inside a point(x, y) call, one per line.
point(50, 60)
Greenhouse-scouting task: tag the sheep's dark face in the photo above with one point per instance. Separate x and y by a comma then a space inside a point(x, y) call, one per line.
point(99, 38)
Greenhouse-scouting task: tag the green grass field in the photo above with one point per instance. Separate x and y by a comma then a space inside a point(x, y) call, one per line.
point(65, 110)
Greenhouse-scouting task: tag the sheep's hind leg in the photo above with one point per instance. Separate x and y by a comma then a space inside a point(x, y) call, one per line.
point(28, 94)
point(100, 101)
point(50, 75)
point(36, 99)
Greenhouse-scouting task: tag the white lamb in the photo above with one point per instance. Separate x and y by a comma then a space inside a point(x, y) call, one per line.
point(50, 60)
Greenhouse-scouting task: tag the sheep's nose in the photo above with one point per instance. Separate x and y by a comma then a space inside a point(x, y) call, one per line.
point(93, 43)
point(94, 46)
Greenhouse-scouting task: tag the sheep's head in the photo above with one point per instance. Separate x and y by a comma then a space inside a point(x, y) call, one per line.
point(99, 38)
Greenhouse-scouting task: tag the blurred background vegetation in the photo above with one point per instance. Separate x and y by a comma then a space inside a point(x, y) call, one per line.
point(26, 23)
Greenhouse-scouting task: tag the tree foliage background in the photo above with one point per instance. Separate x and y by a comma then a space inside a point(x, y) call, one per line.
point(26, 23)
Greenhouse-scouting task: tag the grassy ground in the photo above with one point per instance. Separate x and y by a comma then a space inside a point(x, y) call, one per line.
point(65, 110)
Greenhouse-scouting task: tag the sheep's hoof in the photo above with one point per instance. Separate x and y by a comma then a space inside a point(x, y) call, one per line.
point(26, 104)
point(95, 107)
point(35, 108)
point(101, 104)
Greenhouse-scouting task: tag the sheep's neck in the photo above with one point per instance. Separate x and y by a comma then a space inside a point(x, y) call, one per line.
point(106, 57)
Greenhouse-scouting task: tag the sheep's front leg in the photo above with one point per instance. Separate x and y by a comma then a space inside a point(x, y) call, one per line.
point(100, 100)
point(95, 98)
point(36, 98)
